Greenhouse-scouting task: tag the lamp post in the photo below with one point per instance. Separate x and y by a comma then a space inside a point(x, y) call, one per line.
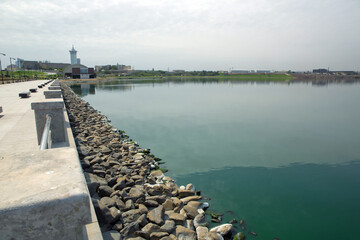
point(12, 74)
point(2, 76)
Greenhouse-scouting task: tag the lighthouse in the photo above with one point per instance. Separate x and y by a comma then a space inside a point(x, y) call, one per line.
point(73, 59)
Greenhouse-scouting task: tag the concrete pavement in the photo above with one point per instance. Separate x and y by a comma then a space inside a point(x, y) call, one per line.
point(43, 193)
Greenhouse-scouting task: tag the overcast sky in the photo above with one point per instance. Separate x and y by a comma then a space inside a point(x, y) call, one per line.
point(185, 34)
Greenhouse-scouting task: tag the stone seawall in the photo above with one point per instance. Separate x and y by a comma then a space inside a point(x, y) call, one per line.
point(132, 197)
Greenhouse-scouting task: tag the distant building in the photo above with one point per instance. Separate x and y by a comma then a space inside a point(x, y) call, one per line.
point(263, 71)
point(78, 61)
point(321, 70)
point(48, 65)
point(12, 67)
point(239, 71)
point(73, 59)
point(78, 71)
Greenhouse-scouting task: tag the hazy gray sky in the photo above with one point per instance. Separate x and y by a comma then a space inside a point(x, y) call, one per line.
point(185, 34)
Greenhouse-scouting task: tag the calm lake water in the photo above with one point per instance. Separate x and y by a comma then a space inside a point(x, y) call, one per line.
point(283, 157)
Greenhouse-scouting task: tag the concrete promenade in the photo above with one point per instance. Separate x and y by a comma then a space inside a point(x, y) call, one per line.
point(43, 192)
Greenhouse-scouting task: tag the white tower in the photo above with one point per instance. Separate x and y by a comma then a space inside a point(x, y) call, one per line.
point(73, 55)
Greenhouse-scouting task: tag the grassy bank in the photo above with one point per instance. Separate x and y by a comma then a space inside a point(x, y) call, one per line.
point(240, 78)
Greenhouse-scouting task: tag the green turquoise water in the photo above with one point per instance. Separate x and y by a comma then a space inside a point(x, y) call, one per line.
point(283, 157)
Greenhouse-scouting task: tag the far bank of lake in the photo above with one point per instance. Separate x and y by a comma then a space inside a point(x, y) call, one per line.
point(284, 157)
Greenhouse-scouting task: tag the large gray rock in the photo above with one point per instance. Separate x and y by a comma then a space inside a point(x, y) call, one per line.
point(107, 201)
point(105, 191)
point(157, 215)
point(168, 227)
point(130, 216)
point(190, 211)
point(150, 228)
point(185, 200)
point(142, 220)
point(201, 232)
point(185, 193)
point(104, 214)
point(121, 183)
point(168, 204)
point(178, 218)
point(213, 236)
point(200, 220)
point(158, 235)
point(93, 182)
point(105, 150)
point(111, 235)
point(136, 193)
point(222, 229)
point(83, 150)
point(183, 233)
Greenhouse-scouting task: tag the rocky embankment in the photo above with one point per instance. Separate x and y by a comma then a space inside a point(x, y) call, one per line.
point(132, 197)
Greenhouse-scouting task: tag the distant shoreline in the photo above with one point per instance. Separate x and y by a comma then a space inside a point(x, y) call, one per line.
point(319, 79)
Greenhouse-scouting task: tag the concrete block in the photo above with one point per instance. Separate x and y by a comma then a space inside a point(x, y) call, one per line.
point(33, 90)
point(54, 88)
point(24, 94)
point(56, 110)
point(52, 94)
point(44, 196)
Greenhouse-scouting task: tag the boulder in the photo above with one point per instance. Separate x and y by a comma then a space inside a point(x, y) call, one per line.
point(201, 232)
point(168, 227)
point(105, 191)
point(136, 193)
point(156, 215)
point(178, 218)
point(177, 204)
point(185, 193)
point(158, 235)
point(189, 224)
point(213, 236)
point(130, 216)
point(104, 214)
point(200, 220)
point(168, 204)
point(121, 183)
point(129, 204)
point(151, 203)
point(143, 208)
point(183, 233)
point(191, 212)
point(93, 182)
point(195, 204)
point(190, 186)
point(105, 150)
point(107, 201)
point(222, 229)
point(191, 198)
point(150, 228)
point(142, 220)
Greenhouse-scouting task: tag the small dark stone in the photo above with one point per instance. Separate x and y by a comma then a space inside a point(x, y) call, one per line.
point(105, 191)
point(233, 221)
